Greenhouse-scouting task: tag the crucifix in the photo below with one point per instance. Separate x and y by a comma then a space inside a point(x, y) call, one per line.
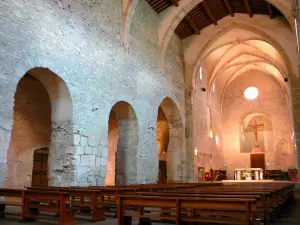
point(255, 127)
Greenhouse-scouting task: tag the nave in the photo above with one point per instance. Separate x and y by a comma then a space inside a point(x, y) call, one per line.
point(212, 202)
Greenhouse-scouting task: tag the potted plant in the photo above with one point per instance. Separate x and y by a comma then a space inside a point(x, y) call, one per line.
point(247, 174)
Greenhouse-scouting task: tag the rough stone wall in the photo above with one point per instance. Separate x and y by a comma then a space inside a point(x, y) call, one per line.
point(31, 130)
point(206, 111)
point(271, 102)
point(83, 47)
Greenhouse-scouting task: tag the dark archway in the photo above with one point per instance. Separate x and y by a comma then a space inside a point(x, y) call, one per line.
point(173, 144)
point(162, 138)
point(123, 140)
point(42, 119)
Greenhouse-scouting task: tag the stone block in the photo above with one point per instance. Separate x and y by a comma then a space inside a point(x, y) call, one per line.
point(100, 182)
point(8, 136)
point(70, 150)
point(83, 141)
point(92, 160)
point(85, 160)
point(2, 135)
point(93, 141)
point(98, 161)
point(77, 158)
point(4, 145)
point(103, 162)
point(95, 151)
point(99, 151)
point(103, 172)
point(76, 139)
point(82, 173)
point(105, 152)
point(88, 150)
point(80, 150)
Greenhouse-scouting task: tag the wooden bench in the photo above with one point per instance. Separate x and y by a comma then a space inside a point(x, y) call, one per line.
point(16, 194)
point(87, 202)
point(261, 201)
point(215, 210)
point(53, 203)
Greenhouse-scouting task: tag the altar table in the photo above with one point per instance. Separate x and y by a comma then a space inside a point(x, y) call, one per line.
point(258, 173)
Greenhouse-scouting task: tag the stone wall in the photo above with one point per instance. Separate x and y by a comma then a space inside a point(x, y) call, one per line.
point(206, 115)
point(271, 102)
point(31, 130)
point(83, 47)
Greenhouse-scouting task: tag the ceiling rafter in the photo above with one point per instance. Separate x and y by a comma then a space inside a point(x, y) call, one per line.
point(209, 13)
point(175, 3)
point(228, 5)
point(271, 13)
point(192, 24)
point(248, 7)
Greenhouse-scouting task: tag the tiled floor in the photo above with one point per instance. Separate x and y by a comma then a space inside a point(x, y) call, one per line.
point(291, 216)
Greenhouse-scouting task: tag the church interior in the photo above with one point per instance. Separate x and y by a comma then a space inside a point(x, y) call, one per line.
point(149, 111)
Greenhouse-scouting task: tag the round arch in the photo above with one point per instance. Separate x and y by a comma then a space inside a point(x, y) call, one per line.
point(123, 141)
point(174, 154)
point(42, 117)
point(173, 17)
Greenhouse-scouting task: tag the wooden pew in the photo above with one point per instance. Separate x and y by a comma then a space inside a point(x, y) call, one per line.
point(88, 202)
point(261, 201)
point(16, 194)
point(233, 210)
point(35, 202)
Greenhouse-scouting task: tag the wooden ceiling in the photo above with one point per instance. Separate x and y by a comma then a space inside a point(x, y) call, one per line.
point(210, 11)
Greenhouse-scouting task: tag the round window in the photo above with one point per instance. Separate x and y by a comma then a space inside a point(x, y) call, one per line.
point(251, 93)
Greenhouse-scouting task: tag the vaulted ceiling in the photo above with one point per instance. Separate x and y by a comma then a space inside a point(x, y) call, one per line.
point(211, 11)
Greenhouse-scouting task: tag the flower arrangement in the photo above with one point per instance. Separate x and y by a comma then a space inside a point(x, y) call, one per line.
point(247, 173)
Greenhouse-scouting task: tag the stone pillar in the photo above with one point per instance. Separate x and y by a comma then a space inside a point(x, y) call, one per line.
point(189, 142)
point(4, 143)
point(61, 155)
point(126, 159)
point(90, 159)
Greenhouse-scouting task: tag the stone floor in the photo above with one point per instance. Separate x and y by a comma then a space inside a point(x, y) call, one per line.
point(291, 216)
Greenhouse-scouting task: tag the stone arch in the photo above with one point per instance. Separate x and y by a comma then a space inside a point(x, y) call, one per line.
point(174, 155)
point(42, 118)
point(123, 138)
point(128, 11)
point(173, 17)
point(202, 53)
point(162, 138)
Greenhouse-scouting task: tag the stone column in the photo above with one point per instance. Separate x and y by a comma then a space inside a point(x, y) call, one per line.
point(126, 159)
point(4, 143)
point(61, 155)
point(189, 138)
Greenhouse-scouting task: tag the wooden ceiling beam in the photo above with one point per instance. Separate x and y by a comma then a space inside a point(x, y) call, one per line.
point(271, 13)
point(209, 13)
point(248, 8)
point(192, 24)
point(227, 3)
point(175, 3)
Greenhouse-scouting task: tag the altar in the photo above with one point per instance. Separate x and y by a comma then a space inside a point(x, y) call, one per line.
point(258, 173)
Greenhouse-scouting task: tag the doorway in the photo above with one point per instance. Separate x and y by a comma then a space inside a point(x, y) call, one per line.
point(40, 168)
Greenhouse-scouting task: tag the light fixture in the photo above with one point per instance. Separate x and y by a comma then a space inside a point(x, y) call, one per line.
point(196, 151)
point(251, 93)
